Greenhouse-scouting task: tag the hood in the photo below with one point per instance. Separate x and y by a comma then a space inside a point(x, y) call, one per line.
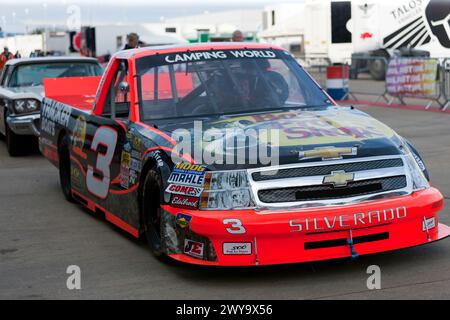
point(297, 136)
point(36, 92)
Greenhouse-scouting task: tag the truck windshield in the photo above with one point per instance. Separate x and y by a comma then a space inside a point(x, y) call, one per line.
point(33, 74)
point(208, 83)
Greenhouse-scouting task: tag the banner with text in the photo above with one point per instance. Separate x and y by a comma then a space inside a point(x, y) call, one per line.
point(409, 77)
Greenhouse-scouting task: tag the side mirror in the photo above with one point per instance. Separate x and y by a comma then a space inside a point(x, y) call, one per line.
point(124, 87)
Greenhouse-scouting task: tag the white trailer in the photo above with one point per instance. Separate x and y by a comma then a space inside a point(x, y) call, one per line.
point(104, 40)
point(339, 29)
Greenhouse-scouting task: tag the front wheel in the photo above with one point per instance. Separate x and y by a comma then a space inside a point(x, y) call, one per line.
point(151, 211)
point(15, 143)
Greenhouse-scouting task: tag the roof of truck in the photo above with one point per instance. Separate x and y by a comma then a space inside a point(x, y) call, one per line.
point(148, 51)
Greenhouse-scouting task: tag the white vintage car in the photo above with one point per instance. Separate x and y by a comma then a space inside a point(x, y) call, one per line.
point(21, 93)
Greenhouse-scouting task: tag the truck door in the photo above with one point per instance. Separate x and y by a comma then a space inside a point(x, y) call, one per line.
point(106, 134)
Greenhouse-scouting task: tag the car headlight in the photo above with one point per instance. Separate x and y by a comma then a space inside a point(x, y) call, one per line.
point(419, 180)
point(226, 190)
point(6, 103)
point(26, 106)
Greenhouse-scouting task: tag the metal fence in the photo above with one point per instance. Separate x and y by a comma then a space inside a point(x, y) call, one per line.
point(446, 83)
point(438, 87)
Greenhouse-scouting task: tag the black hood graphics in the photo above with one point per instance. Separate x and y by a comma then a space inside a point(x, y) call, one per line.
point(299, 131)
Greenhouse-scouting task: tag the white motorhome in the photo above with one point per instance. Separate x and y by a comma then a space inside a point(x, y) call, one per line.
point(339, 29)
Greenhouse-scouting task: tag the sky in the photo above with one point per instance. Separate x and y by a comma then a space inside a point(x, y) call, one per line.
point(26, 15)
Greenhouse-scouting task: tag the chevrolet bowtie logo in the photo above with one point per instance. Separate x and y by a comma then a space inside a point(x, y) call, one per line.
point(330, 153)
point(339, 178)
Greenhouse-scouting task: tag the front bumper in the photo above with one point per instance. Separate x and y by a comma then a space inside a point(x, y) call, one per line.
point(24, 124)
point(313, 234)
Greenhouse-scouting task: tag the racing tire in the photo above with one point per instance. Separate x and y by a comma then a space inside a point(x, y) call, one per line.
point(16, 144)
point(377, 69)
point(151, 212)
point(65, 169)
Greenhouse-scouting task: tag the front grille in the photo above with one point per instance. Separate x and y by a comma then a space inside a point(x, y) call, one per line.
point(326, 192)
point(327, 169)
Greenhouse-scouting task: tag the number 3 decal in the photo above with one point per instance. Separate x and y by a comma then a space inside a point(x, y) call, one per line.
point(236, 226)
point(107, 137)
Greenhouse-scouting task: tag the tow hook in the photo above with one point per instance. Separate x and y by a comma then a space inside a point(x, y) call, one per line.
point(353, 252)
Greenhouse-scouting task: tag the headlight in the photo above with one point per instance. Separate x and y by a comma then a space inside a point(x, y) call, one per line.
point(226, 190)
point(26, 106)
point(418, 178)
point(6, 102)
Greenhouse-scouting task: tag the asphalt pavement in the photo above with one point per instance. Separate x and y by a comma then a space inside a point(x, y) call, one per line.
point(41, 235)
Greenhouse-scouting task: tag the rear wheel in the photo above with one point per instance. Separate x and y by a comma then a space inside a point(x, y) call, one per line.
point(65, 168)
point(151, 211)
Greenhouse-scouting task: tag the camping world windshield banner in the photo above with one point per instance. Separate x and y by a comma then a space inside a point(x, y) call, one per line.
point(412, 77)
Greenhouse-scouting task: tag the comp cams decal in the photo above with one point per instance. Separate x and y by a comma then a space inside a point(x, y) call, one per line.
point(184, 190)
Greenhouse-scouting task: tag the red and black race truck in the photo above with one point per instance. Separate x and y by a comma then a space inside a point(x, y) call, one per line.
point(231, 154)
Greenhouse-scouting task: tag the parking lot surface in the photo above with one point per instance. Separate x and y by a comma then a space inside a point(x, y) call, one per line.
point(41, 235)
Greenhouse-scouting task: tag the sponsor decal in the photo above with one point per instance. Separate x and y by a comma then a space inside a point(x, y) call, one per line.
point(133, 177)
point(193, 248)
point(127, 147)
point(186, 202)
point(135, 164)
point(218, 55)
point(237, 248)
point(137, 142)
point(126, 160)
point(54, 113)
point(79, 133)
point(190, 174)
point(76, 177)
point(124, 177)
point(184, 190)
point(346, 221)
point(312, 128)
point(428, 224)
point(189, 168)
point(187, 178)
point(135, 154)
point(183, 220)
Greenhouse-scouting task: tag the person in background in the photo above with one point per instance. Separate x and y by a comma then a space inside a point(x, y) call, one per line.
point(17, 55)
point(237, 36)
point(5, 56)
point(132, 41)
